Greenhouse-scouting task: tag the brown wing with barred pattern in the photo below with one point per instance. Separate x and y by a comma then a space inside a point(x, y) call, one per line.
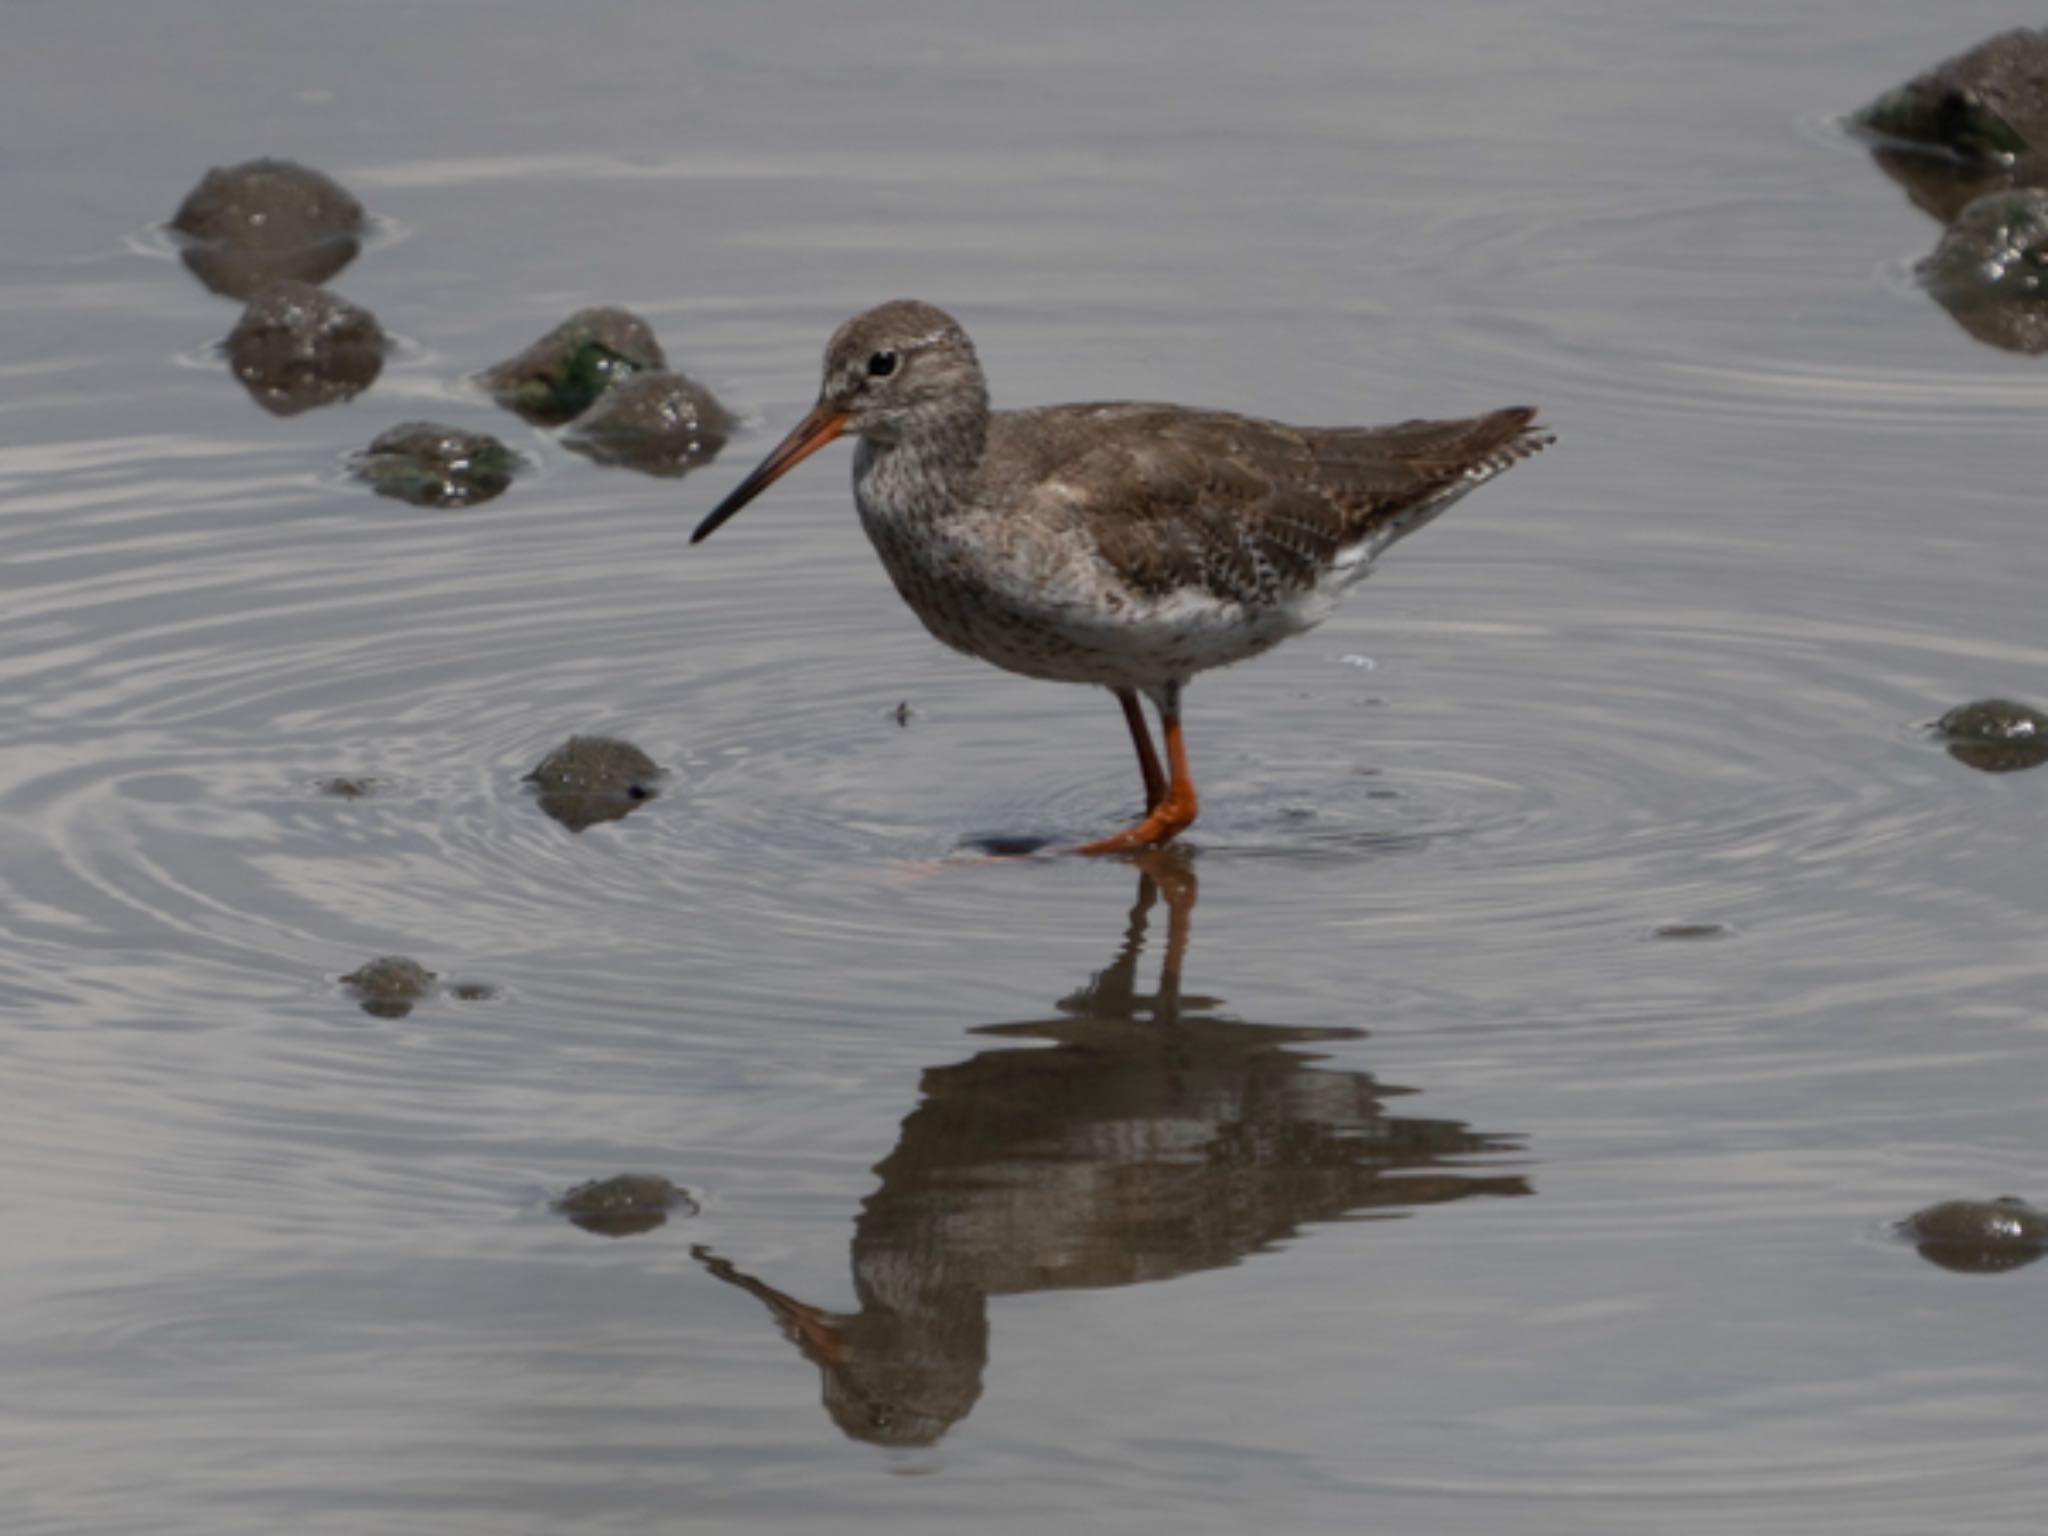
point(1251, 511)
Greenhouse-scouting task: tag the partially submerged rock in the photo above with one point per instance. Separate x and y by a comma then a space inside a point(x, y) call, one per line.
point(1691, 932)
point(297, 347)
point(1995, 735)
point(1981, 1236)
point(348, 786)
point(1990, 269)
point(657, 422)
point(1972, 123)
point(623, 1205)
point(389, 986)
point(429, 465)
point(560, 376)
point(589, 779)
point(249, 225)
point(1988, 106)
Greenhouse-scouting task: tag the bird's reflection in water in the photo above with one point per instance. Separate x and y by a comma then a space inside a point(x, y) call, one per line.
point(1152, 1139)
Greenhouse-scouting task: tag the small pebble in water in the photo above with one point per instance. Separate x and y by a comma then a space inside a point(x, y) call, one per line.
point(429, 465)
point(388, 987)
point(657, 422)
point(623, 1205)
point(1979, 1236)
point(1995, 735)
point(297, 347)
point(348, 787)
point(1990, 270)
point(589, 779)
point(249, 225)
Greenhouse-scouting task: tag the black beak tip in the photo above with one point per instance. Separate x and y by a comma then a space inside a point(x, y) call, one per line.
point(712, 523)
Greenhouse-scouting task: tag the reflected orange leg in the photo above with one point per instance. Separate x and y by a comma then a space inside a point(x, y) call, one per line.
point(1174, 813)
point(1141, 738)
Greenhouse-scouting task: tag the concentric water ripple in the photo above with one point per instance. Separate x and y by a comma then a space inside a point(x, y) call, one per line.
point(1545, 778)
point(294, 1260)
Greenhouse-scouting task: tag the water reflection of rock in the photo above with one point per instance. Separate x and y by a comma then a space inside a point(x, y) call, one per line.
point(430, 465)
point(1983, 1237)
point(247, 226)
point(1969, 125)
point(1151, 1138)
point(1990, 270)
point(297, 347)
point(1942, 188)
point(656, 422)
point(1968, 142)
point(1995, 735)
point(589, 779)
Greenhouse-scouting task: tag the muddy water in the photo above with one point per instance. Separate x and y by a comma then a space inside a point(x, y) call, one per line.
point(1491, 1123)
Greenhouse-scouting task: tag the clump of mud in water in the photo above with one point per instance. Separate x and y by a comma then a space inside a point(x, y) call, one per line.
point(249, 225)
point(1989, 104)
point(560, 376)
point(349, 786)
point(429, 465)
point(657, 422)
point(297, 347)
point(1979, 1236)
point(623, 1205)
point(389, 986)
point(589, 779)
point(1990, 270)
point(1969, 125)
point(1995, 735)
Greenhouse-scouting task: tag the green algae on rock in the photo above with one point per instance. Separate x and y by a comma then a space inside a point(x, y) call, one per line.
point(657, 422)
point(1979, 1236)
point(430, 465)
point(623, 1205)
point(1988, 105)
point(560, 376)
point(298, 346)
point(1995, 735)
point(1990, 269)
point(249, 225)
point(589, 779)
point(1970, 125)
point(390, 985)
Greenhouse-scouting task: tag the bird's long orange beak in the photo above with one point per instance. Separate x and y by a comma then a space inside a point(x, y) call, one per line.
point(824, 423)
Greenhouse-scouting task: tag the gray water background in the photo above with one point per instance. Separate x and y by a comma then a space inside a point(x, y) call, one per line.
point(272, 1263)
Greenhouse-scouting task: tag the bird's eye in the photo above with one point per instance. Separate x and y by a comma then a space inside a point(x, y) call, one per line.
point(882, 364)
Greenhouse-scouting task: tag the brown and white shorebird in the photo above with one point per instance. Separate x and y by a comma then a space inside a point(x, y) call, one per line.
point(1125, 545)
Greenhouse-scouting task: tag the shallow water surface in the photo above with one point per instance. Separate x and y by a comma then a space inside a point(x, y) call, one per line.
point(1489, 1120)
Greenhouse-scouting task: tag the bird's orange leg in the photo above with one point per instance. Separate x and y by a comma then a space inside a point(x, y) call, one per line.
point(1148, 760)
point(1174, 813)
